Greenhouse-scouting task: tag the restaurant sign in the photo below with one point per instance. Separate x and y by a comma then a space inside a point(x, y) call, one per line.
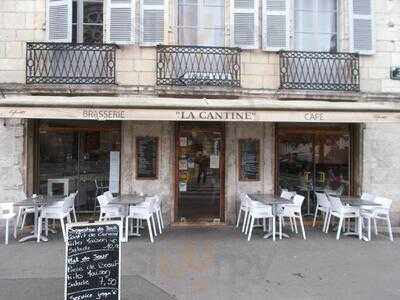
point(216, 115)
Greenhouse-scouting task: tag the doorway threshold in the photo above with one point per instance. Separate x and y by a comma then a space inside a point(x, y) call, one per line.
point(198, 223)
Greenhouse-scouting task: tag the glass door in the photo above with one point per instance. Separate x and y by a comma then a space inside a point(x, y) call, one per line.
point(199, 169)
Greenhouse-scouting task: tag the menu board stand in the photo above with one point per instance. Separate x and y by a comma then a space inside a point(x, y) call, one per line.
point(93, 261)
point(249, 159)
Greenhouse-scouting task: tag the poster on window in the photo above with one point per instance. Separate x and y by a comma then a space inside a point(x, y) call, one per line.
point(114, 172)
point(214, 161)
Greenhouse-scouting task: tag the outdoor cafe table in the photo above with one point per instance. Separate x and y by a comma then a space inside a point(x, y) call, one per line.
point(129, 200)
point(274, 201)
point(356, 201)
point(37, 202)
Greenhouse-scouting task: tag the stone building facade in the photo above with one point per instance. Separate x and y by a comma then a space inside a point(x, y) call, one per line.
point(369, 109)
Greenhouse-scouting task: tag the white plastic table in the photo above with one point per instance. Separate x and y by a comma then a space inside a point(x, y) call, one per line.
point(274, 201)
point(129, 200)
point(36, 202)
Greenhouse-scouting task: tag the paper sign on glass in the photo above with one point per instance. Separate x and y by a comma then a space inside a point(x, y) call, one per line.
point(183, 165)
point(214, 161)
point(183, 141)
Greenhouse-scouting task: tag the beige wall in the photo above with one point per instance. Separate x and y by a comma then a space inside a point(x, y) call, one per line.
point(24, 20)
point(381, 164)
point(12, 159)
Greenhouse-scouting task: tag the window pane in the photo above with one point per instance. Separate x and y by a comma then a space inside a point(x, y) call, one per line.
point(93, 12)
point(74, 12)
point(304, 21)
point(74, 34)
point(201, 22)
point(304, 42)
point(327, 5)
point(304, 4)
point(327, 22)
point(92, 33)
point(327, 42)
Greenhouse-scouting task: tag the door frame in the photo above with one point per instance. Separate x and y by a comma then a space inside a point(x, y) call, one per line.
point(220, 126)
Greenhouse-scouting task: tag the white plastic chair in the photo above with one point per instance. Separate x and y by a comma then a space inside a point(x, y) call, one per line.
point(292, 211)
point(143, 212)
point(73, 211)
point(59, 210)
point(23, 211)
point(257, 210)
point(107, 211)
point(243, 208)
point(157, 212)
point(285, 194)
point(7, 214)
point(324, 206)
point(383, 213)
point(342, 212)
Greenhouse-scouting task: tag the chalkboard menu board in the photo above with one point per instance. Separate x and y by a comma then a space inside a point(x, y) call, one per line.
point(146, 157)
point(249, 159)
point(92, 267)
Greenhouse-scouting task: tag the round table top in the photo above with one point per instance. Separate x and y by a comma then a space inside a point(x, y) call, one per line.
point(269, 199)
point(39, 200)
point(128, 199)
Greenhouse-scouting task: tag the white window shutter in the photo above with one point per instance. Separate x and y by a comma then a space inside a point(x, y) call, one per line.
point(361, 26)
point(59, 21)
point(120, 21)
point(244, 24)
point(152, 22)
point(275, 25)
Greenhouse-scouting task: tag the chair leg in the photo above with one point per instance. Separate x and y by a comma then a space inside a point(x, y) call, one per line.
point(18, 217)
point(315, 216)
point(360, 230)
point(264, 225)
point(369, 229)
point(238, 219)
point(127, 228)
point(389, 228)
point(251, 227)
point(150, 230)
point(245, 221)
point(161, 218)
point(280, 227)
point(302, 227)
point(339, 230)
point(295, 225)
point(7, 225)
point(328, 223)
point(375, 227)
point(246, 231)
point(154, 225)
point(273, 228)
point(324, 214)
point(158, 222)
point(63, 228)
point(40, 220)
point(23, 221)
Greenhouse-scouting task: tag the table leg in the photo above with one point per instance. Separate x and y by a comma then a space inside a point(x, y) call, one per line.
point(35, 229)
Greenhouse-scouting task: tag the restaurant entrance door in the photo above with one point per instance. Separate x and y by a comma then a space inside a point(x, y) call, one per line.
point(199, 172)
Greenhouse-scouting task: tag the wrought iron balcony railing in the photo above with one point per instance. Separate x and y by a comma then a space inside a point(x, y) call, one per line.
point(198, 66)
point(319, 71)
point(66, 63)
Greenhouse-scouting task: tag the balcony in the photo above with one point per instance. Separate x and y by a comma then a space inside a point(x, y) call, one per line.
point(66, 63)
point(198, 66)
point(319, 71)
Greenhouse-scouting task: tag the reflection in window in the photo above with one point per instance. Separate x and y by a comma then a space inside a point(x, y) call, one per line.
point(87, 21)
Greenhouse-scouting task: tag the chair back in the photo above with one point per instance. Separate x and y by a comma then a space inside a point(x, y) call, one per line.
point(336, 204)
point(69, 202)
point(243, 199)
point(322, 199)
point(298, 200)
point(6, 208)
point(287, 195)
point(103, 201)
point(385, 202)
point(367, 197)
point(108, 195)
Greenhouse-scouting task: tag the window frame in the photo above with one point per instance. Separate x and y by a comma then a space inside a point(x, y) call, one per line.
point(315, 32)
point(178, 27)
point(80, 20)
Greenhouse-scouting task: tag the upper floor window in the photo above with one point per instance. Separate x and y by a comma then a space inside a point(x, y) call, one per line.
point(315, 26)
point(87, 21)
point(201, 22)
